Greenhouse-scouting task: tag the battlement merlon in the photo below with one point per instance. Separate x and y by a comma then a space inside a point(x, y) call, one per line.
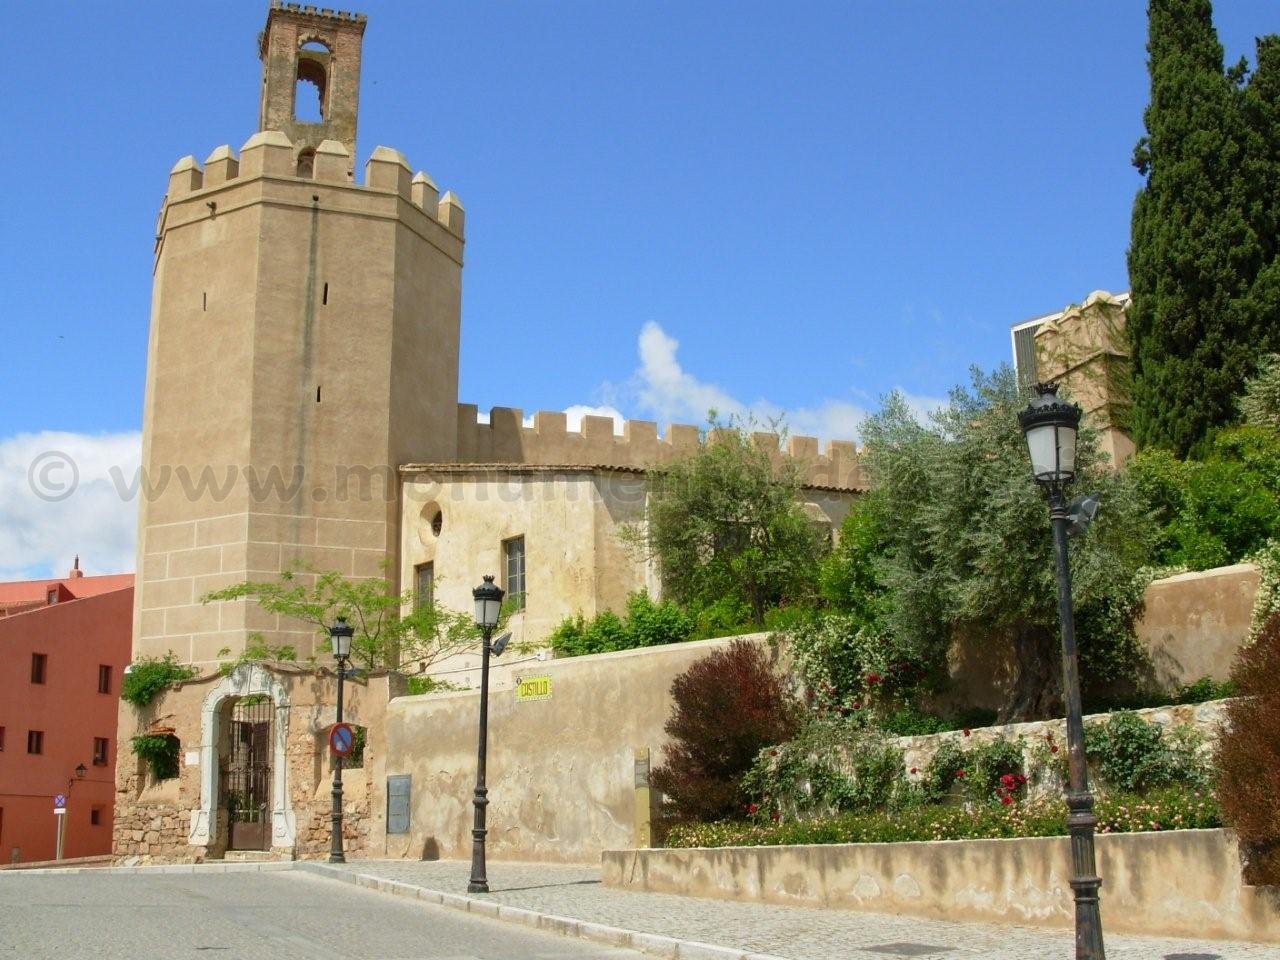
point(270, 154)
point(549, 442)
point(308, 12)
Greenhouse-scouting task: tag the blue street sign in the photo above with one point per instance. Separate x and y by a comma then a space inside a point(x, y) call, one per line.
point(59, 801)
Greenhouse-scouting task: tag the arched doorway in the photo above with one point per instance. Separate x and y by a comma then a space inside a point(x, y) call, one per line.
point(244, 772)
point(244, 800)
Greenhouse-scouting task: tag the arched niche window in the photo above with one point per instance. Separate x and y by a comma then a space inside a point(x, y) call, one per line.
point(307, 168)
point(312, 83)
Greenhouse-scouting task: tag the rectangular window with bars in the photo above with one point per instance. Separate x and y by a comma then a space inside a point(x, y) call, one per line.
point(35, 741)
point(513, 567)
point(424, 584)
point(104, 678)
point(100, 747)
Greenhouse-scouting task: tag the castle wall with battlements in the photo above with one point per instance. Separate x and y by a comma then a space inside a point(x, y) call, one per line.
point(546, 440)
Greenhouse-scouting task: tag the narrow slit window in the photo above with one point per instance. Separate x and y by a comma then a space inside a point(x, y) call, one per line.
point(204, 301)
point(324, 295)
point(39, 662)
point(35, 741)
point(513, 562)
point(317, 394)
point(100, 748)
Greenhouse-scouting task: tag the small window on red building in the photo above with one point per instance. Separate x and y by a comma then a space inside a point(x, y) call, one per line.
point(53, 596)
point(95, 816)
point(35, 741)
point(38, 663)
point(1, 738)
point(104, 678)
point(100, 751)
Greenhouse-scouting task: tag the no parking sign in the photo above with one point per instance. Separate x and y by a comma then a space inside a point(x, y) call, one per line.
point(342, 738)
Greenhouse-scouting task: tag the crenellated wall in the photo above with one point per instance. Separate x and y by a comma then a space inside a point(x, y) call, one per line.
point(269, 153)
point(550, 442)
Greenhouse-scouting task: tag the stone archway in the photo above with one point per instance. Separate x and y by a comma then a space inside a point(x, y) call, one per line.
point(247, 679)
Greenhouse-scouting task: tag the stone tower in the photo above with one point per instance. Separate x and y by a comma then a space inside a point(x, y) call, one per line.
point(301, 45)
point(303, 344)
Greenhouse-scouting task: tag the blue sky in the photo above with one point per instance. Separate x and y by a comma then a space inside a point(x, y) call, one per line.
point(793, 207)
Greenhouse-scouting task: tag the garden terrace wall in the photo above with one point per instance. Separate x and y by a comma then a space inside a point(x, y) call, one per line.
point(1177, 883)
point(1192, 625)
point(1206, 718)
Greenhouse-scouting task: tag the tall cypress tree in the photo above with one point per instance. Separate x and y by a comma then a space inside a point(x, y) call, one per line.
point(1202, 256)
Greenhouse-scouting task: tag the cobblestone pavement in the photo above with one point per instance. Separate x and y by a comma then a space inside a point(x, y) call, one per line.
point(287, 915)
point(796, 933)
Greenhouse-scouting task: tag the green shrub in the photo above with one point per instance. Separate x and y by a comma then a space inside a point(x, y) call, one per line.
point(728, 616)
point(1173, 808)
point(148, 676)
point(1134, 756)
point(648, 624)
point(1218, 510)
point(160, 751)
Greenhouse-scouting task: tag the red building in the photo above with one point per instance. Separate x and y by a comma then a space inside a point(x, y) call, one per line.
point(64, 645)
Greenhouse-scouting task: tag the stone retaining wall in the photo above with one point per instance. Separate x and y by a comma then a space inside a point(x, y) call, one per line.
point(1177, 883)
point(1205, 718)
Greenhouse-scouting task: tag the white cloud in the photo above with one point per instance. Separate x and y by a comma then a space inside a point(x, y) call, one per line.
point(575, 414)
point(58, 498)
point(664, 389)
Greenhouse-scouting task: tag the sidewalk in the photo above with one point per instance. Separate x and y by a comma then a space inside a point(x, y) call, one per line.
point(793, 933)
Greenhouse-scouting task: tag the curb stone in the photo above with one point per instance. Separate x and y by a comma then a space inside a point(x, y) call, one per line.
point(651, 943)
point(266, 866)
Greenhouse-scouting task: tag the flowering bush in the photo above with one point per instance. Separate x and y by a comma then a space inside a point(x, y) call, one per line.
point(1174, 808)
point(1132, 755)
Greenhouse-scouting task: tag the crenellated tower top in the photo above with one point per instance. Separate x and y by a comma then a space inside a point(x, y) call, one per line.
point(311, 76)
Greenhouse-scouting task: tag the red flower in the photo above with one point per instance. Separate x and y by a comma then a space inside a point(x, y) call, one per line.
point(1006, 799)
point(752, 808)
point(960, 774)
point(873, 678)
point(1053, 749)
point(774, 816)
point(857, 705)
point(913, 769)
point(1007, 781)
point(966, 731)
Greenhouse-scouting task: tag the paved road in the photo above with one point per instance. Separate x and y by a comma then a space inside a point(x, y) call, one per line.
point(796, 933)
point(251, 916)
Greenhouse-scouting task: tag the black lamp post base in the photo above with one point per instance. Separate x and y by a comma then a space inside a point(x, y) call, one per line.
point(477, 887)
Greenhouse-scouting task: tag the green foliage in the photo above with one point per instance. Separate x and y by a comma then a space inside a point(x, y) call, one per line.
point(727, 522)
point(647, 624)
point(825, 769)
point(1203, 264)
point(148, 676)
point(385, 635)
point(160, 752)
point(425, 684)
point(1134, 756)
point(1217, 510)
point(1174, 808)
point(258, 649)
point(963, 543)
point(1261, 401)
point(1267, 603)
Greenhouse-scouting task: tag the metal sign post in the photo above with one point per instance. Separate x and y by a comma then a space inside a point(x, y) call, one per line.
point(60, 817)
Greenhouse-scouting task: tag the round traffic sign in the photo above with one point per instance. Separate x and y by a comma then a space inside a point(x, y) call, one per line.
point(342, 739)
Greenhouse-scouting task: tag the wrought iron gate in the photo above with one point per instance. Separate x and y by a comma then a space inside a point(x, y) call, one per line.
point(246, 775)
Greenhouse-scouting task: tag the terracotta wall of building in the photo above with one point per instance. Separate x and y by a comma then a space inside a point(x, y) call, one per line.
point(76, 637)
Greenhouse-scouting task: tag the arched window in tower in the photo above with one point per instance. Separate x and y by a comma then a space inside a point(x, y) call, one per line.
point(312, 83)
point(307, 163)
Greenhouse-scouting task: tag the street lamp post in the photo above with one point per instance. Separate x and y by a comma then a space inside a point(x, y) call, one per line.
point(340, 634)
point(1050, 426)
point(488, 597)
